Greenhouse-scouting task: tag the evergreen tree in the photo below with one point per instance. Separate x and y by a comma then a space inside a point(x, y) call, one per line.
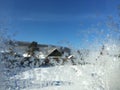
point(32, 48)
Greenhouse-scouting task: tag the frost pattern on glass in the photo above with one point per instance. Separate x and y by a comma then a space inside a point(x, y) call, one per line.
point(85, 69)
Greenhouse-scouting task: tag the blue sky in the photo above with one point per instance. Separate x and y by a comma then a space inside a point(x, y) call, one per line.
point(56, 22)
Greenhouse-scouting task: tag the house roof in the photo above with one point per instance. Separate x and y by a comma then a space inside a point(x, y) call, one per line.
point(53, 52)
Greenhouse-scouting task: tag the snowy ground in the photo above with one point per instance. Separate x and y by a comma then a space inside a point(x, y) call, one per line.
point(102, 76)
point(58, 78)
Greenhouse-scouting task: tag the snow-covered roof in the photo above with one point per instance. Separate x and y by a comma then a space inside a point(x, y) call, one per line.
point(26, 55)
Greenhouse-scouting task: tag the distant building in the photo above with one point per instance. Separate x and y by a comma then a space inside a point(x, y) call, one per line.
point(54, 53)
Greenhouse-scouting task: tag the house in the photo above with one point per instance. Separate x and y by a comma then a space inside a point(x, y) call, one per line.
point(57, 55)
point(54, 53)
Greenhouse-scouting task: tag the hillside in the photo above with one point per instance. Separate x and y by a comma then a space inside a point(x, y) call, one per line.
point(22, 45)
